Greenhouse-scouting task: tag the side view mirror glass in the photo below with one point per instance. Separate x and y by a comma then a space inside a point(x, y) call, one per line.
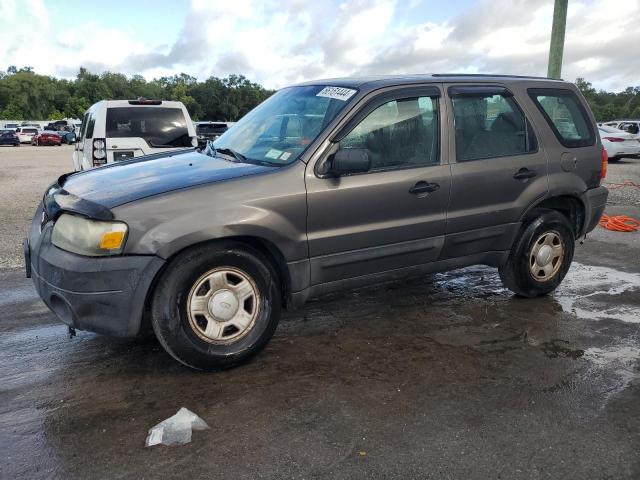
point(350, 160)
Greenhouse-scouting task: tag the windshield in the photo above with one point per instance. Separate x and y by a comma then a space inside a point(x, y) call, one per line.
point(159, 126)
point(279, 129)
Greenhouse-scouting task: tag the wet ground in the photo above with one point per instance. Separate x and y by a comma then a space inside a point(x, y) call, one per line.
point(449, 376)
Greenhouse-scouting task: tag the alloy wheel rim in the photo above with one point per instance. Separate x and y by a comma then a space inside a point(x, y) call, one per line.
point(223, 305)
point(546, 255)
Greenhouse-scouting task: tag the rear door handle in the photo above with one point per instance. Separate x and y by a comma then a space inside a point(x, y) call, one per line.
point(524, 174)
point(423, 187)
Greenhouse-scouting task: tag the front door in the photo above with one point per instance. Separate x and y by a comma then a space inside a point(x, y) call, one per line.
point(499, 170)
point(394, 215)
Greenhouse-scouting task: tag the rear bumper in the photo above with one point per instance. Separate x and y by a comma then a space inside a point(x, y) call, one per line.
point(595, 201)
point(104, 295)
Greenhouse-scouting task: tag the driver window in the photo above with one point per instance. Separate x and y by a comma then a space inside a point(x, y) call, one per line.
point(398, 134)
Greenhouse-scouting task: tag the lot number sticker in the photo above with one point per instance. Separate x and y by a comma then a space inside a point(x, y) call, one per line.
point(339, 93)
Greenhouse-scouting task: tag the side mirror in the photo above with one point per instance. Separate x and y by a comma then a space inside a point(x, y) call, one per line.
point(350, 160)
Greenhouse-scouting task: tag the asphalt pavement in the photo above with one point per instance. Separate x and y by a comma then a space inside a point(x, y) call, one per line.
point(448, 376)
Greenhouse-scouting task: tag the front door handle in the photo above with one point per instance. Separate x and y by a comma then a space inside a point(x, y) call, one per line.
point(423, 187)
point(524, 174)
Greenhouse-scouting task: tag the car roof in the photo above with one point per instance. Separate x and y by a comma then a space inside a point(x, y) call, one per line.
point(374, 82)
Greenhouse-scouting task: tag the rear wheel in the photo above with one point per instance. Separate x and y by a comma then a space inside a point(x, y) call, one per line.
point(216, 305)
point(541, 256)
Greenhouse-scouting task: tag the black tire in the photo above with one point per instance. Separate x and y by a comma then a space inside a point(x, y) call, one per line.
point(613, 159)
point(516, 273)
point(169, 316)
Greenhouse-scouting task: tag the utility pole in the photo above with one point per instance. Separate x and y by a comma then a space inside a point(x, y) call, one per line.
point(557, 38)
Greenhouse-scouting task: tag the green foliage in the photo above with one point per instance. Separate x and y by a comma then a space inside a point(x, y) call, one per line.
point(611, 106)
point(25, 95)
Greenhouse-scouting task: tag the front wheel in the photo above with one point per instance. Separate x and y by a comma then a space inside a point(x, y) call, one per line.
point(216, 305)
point(540, 257)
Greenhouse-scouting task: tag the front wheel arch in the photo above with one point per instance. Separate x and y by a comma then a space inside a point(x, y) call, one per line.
point(266, 248)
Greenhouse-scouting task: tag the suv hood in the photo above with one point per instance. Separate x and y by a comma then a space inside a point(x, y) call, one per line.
point(119, 183)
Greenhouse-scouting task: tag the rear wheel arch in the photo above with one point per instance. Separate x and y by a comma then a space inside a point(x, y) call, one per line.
point(570, 206)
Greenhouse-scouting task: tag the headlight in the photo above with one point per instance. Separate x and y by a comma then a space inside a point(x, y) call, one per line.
point(89, 237)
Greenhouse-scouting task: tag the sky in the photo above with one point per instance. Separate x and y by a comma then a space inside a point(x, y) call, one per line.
point(280, 42)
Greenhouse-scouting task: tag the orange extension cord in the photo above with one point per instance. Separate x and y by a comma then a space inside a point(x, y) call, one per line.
point(620, 223)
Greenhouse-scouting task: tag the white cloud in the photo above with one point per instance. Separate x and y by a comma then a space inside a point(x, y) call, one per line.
point(285, 41)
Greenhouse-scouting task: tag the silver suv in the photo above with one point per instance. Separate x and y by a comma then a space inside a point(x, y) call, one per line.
point(325, 186)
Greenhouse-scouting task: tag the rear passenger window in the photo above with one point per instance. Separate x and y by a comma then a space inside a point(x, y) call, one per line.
point(490, 126)
point(398, 134)
point(566, 116)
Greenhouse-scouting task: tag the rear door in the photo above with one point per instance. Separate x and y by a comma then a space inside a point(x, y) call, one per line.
point(392, 216)
point(82, 142)
point(498, 169)
point(136, 130)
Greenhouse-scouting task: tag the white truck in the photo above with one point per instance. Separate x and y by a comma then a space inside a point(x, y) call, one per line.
point(115, 130)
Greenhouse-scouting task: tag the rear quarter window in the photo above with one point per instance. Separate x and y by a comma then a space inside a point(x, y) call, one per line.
point(566, 116)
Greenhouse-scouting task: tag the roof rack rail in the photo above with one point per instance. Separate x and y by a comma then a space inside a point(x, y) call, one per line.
point(485, 75)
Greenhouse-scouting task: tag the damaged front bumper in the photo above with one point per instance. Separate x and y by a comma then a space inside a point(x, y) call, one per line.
point(102, 294)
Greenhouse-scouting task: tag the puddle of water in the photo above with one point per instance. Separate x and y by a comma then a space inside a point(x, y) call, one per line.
point(584, 282)
point(616, 364)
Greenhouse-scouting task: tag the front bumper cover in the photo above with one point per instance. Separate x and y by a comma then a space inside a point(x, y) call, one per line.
point(101, 294)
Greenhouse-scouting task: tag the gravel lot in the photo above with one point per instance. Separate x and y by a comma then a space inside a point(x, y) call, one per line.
point(25, 173)
point(449, 376)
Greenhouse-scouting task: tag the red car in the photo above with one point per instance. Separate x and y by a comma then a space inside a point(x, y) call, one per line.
point(46, 138)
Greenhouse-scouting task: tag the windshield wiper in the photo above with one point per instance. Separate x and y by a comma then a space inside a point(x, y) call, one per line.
point(237, 156)
point(228, 151)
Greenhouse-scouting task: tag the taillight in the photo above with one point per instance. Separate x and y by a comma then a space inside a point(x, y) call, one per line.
point(614, 139)
point(99, 152)
point(605, 162)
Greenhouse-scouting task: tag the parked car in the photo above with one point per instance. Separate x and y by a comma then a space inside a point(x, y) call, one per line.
point(403, 175)
point(209, 131)
point(115, 130)
point(629, 126)
point(9, 137)
point(67, 137)
point(26, 133)
point(46, 137)
point(11, 126)
point(619, 143)
point(59, 125)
